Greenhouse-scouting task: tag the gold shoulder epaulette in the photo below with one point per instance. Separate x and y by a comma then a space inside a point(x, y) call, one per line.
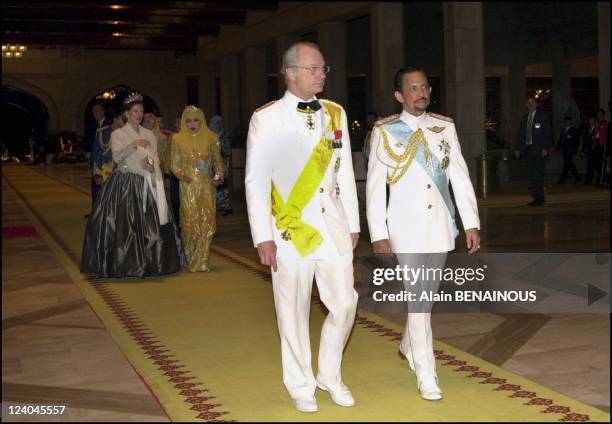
point(102, 128)
point(387, 119)
point(265, 106)
point(442, 117)
point(331, 101)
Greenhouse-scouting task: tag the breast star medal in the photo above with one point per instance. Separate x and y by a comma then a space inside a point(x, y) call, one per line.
point(445, 149)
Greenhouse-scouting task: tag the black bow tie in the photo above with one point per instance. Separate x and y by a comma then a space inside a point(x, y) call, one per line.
point(312, 105)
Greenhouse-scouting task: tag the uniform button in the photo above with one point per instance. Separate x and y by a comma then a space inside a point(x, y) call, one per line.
point(322, 210)
point(321, 190)
point(428, 206)
point(428, 185)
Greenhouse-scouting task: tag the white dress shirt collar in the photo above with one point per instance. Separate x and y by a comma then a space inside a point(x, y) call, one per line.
point(414, 122)
point(293, 100)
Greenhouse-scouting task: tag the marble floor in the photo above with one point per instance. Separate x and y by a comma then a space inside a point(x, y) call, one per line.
point(55, 350)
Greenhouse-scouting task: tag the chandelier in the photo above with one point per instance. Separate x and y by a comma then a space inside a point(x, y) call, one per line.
point(107, 95)
point(13, 51)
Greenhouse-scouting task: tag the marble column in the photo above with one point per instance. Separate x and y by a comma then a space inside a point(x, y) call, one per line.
point(603, 43)
point(518, 96)
point(563, 103)
point(506, 110)
point(208, 89)
point(230, 91)
point(332, 41)
point(387, 27)
point(464, 76)
point(255, 80)
point(282, 44)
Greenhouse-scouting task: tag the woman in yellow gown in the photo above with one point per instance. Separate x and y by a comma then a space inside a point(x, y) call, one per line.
point(196, 162)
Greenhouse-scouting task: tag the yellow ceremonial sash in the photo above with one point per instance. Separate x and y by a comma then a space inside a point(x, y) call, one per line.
point(107, 168)
point(288, 215)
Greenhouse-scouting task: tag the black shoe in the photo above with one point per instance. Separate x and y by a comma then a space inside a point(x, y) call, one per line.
point(579, 179)
point(586, 183)
point(86, 216)
point(535, 203)
point(561, 182)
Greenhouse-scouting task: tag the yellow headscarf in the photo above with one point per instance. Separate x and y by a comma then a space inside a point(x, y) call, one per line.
point(200, 141)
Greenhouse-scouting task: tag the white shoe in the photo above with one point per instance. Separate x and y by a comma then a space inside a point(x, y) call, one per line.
point(429, 388)
point(339, 393)
point(306, 404)
point(409, 358)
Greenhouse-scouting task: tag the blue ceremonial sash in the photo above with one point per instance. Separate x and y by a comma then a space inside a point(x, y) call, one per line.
point(402, 132)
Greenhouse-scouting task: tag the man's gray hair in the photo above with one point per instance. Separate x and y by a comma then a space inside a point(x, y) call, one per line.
point(291, 55)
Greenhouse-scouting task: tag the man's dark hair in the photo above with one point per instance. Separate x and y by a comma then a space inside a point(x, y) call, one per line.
point(399, 75)
point(567, 118)
point(113, 115)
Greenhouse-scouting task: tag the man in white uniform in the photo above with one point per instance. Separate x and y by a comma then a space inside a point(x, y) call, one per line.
point(417, 153)
point(304, 217)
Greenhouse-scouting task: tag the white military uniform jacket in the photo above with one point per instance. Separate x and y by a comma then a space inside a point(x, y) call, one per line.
point(278, 147)
point(417, 219)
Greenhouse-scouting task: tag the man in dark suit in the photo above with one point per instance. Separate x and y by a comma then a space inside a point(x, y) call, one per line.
point(588, 141)
point(568, 145)
point(534, 141)
point(98, 112)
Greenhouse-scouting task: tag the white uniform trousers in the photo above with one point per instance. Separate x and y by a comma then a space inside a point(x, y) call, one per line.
point(417, 342)
point(292, 285)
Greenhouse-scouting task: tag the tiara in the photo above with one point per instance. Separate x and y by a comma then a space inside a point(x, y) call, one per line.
point(134, 97)
point(191, 108)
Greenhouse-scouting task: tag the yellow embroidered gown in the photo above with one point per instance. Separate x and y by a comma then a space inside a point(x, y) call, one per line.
point(163, 151)
point(198, 208)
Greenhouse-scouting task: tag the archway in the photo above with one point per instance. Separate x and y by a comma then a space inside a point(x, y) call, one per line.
point(112, 99)
point(28, 117)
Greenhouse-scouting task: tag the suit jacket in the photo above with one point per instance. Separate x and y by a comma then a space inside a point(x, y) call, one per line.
point(417, 220)
point(278, 147)
point(540, 131)
point(569, 140)
point(588, 140)
point(101, 152)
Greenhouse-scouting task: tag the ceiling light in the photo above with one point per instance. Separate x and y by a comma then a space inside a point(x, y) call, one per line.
point(117, 6)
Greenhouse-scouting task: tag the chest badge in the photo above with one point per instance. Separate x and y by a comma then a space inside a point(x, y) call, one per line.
point(436, 129)
point(445, 149)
